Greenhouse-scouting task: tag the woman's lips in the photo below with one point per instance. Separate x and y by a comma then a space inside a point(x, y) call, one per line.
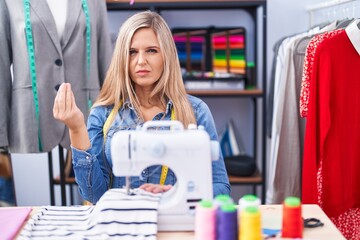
point(142, 72)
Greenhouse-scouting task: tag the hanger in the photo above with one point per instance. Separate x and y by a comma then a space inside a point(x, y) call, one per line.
point(344, 23)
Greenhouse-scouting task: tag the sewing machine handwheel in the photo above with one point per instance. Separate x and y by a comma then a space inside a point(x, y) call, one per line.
point(157, 149)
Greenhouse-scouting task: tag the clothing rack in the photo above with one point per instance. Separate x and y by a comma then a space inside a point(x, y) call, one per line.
point(325, 5)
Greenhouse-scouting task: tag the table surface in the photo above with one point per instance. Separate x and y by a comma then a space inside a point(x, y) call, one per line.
point(272, 219)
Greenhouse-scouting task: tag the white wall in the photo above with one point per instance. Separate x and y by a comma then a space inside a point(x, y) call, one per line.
point(285, 17)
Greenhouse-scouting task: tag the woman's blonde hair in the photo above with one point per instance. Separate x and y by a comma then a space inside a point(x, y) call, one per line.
point(118, 86)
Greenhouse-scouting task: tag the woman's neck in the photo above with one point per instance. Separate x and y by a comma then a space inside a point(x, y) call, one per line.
point(149, 106)
point(145, 99)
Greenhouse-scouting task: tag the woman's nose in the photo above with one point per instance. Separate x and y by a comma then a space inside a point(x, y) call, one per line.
point(141, 59)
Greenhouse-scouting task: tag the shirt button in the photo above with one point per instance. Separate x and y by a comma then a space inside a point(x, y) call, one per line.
point(87, 157)
point(58, 62)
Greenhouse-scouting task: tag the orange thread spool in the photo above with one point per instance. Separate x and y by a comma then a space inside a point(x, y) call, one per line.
point(292, 222)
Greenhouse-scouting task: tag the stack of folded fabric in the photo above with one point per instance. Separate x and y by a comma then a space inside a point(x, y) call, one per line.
point(117, 215)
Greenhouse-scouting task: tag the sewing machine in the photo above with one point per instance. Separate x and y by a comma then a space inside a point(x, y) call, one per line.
point(188, 153)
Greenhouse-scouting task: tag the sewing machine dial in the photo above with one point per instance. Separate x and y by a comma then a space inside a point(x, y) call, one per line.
point(157, 149)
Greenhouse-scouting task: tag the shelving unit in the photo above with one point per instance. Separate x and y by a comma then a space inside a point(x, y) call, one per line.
point(257, 10)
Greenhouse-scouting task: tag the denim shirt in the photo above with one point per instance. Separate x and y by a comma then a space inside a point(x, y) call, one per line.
point(93, 166)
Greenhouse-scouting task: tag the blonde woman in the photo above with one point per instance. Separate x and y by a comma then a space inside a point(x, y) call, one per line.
point(144, 83)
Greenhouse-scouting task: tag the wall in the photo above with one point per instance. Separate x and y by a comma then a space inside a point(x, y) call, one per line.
point(285, 17)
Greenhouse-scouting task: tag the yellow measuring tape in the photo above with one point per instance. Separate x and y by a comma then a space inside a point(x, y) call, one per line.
point(110, 119)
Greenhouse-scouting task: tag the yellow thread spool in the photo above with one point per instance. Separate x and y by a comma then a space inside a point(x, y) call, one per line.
point(250, 224)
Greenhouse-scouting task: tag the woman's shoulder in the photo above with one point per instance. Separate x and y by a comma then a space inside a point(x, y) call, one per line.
point(101, 112)
point(194, 101)
point(101, 108)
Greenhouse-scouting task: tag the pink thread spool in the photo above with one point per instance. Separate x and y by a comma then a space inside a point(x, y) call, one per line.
point(292, 222)
point(205, 219)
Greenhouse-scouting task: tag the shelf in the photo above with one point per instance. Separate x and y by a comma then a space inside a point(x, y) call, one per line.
point(226, 92)
point(255, 179)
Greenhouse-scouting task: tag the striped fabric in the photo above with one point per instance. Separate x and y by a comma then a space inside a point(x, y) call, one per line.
point(116, 216)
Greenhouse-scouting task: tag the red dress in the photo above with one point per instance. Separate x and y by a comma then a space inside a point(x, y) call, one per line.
point(308, 66)
point(331, 164)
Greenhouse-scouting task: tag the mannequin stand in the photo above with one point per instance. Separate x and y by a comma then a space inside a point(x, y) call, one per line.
point(63, 180)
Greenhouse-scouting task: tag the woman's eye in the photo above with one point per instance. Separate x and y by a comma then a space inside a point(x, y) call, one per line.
point(132, 52)
point(152, 50)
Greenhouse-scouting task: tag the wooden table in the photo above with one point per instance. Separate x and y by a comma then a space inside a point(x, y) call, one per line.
point(272, 218)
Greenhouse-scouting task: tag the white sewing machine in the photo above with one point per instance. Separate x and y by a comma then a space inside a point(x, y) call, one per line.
point(188, 153)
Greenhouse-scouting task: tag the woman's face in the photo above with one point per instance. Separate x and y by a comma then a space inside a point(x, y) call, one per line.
point(146, 61)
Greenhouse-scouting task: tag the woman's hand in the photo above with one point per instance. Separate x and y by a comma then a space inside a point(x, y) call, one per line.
point(155, 188)
point(66, 110)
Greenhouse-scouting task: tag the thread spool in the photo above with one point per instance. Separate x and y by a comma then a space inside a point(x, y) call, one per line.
point(227, 227)
point(250, 75)
point(219, 201)
point(222, 199)
point(292, 222)
point(205, 216)
point(249, 200)
point(250, 227)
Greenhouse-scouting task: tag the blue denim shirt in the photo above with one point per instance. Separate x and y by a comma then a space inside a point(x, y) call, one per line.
point(93, 166)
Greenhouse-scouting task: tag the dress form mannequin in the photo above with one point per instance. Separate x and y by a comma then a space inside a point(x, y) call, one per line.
point(60, 47)
point(57, 60)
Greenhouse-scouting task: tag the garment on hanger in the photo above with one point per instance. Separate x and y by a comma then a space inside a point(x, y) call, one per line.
point(331, 153)
point(344, 23)
point(286, 145)
point(308, 67)
point(276, 47)
point(270, 100)
point(57, 60)
point(117, 215)
point(284, 175)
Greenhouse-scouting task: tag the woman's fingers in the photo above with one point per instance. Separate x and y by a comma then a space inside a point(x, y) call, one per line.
point(68, 98)
point(64, 102)
point(167, 187)
point(61, 98)
point(65, 109)
point(155, 188)
point(58, 105)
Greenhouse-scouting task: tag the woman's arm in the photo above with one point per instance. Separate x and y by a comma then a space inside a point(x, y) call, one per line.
point(91, 173)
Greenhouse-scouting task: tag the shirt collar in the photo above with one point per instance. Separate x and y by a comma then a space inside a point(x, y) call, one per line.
point(353, 33)
point(168, 107)
point(128, 104)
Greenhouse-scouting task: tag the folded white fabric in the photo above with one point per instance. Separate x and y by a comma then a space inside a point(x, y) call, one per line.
point(117, 215)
